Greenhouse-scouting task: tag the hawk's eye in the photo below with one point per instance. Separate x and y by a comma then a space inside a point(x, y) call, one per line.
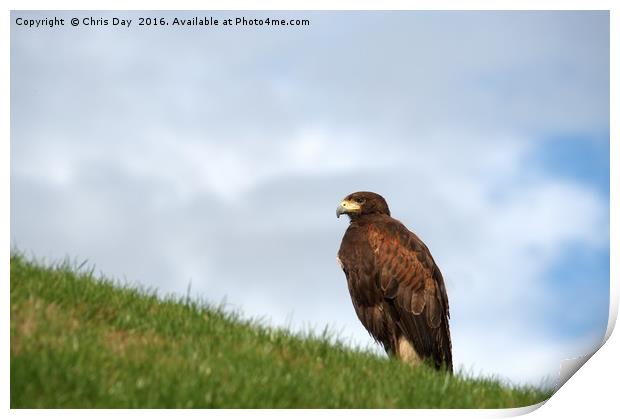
point(359, 200)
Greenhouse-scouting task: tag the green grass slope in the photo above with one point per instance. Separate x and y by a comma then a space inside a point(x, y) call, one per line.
point(79, 342)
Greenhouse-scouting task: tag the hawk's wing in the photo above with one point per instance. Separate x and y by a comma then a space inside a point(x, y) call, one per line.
point(411, 281)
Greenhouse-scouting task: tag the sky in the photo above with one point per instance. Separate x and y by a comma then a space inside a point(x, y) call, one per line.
point(212, 159)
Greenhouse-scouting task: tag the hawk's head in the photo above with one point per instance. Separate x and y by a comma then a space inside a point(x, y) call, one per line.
point(362, 203)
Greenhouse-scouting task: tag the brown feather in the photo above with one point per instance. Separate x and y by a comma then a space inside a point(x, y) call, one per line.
point(417, 303)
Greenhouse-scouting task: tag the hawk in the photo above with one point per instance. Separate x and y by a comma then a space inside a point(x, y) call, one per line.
point(396, 287)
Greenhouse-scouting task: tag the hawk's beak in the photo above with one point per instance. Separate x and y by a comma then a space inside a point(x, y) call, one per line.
point(340, 210)
point(347, 207)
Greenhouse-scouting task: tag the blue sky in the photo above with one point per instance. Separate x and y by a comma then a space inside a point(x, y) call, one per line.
point(580, 275)
point(217, 156)
point(579, 279)
point(579, 157)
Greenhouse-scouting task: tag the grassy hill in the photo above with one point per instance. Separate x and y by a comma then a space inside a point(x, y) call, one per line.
point(82, 342)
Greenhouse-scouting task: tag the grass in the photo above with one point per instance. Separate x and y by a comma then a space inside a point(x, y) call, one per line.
point(82, 342)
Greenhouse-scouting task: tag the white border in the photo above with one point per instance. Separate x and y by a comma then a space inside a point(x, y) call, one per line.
point(312, 5)
point(591, 391)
